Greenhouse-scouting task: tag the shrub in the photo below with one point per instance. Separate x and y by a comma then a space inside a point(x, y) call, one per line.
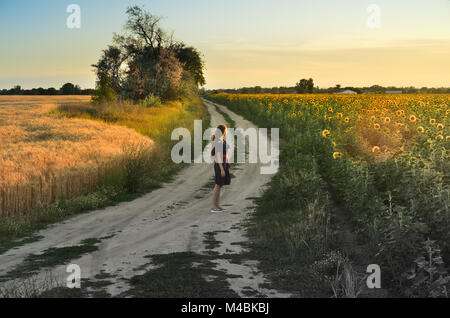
point(104, 93)
point(150, 101)
point(136, 165)
point(429, 277)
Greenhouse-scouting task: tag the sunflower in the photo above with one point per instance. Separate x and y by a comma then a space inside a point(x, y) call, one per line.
point(340, 115)
point(325, 133)
point(447, 138)
point(337, 155)
point(347, 120)
point(432, 121)
point(412, 118)
point(330, 109)
point(440, 126)
point(376, 126)
point(387, 120)
point(420, 129)
point(372, 118)
point(375, 149)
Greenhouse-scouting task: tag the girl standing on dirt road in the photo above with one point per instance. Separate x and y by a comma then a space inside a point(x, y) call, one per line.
point(221, 165)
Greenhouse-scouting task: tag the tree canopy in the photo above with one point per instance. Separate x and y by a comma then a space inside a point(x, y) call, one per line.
point(145, 60)
point(305, 86)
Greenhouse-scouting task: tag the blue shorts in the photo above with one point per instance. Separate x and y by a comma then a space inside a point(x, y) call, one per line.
point(218, 175)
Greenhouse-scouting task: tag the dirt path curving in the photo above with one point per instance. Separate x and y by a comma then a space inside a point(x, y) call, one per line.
point(172, 221)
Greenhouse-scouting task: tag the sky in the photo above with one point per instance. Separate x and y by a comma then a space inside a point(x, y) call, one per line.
point(244, 42)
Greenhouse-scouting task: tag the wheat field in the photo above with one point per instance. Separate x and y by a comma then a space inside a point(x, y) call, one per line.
point(44, 156)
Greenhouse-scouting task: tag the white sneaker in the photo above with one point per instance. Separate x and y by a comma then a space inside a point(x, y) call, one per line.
point(217, 211)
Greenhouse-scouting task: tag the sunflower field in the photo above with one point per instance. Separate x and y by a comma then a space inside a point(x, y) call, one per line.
point(382, 160)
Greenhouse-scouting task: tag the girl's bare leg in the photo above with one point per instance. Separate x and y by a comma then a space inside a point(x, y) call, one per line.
point(216, 197)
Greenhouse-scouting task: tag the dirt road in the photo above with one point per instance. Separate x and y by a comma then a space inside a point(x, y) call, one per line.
point(173, 220)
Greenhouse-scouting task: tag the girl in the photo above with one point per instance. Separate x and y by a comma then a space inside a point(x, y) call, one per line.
point(221, 165)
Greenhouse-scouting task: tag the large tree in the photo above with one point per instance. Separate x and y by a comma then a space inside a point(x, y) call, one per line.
point(145, 60)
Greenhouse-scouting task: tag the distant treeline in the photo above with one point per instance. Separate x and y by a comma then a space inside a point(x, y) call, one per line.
point(66, 89)
point(375, 89)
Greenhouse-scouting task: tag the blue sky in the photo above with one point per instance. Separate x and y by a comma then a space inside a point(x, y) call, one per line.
point(244, 42)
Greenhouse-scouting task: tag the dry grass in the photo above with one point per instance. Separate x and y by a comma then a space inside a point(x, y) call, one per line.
point(44, 156)
point(157, 122)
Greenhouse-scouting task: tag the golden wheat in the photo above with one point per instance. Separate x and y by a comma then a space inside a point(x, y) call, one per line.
point(44, 156)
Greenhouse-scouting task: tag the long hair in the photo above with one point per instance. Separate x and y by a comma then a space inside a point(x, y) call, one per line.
point(222, 129)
